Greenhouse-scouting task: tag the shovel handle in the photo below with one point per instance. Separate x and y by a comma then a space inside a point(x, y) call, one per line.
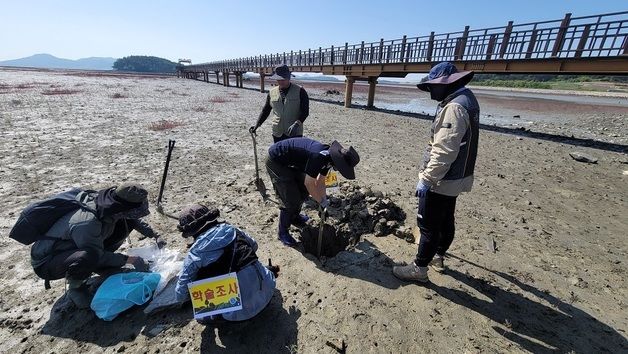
point(321, 226)
point(253, 136)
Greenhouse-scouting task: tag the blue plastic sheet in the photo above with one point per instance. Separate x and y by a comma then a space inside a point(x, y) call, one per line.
point(121, 291)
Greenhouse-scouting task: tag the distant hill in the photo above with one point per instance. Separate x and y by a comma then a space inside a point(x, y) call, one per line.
point(51, 62)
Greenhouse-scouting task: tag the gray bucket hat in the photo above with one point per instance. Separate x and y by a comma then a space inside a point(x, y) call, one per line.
point(444, 73)
point(131, 192)
point(282, 72)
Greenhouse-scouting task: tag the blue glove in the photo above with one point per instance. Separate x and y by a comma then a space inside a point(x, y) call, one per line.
point(324, 203)
point(292, 130)
point(421, 189)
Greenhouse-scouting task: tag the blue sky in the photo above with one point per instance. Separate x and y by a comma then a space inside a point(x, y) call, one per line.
point(213, 30)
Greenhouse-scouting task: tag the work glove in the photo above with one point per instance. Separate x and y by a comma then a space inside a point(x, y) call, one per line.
point(324, 203)
point(421, 189)
point(138, 263)
point(322, 210)
point(161, 243)
point(292, 130)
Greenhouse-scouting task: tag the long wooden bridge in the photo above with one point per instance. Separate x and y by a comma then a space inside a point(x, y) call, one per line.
point(572, 45)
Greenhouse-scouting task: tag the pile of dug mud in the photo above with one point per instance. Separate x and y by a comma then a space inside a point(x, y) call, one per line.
point(354, 211)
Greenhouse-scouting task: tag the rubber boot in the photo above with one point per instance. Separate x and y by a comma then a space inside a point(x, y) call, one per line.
point(285, 218)
point(299, 220)
point(78, 293)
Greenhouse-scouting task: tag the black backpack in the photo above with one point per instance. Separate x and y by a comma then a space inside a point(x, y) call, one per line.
point(38, 218)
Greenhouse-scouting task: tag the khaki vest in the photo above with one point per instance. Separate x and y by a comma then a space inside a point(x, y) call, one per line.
point(285, 110)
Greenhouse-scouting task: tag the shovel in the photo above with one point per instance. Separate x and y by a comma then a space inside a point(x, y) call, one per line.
point(259, 184)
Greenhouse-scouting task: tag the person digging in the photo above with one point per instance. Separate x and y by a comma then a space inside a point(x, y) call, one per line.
point(297, 168)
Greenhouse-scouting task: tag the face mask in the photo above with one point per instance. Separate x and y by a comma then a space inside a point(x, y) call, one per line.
point(438, 92)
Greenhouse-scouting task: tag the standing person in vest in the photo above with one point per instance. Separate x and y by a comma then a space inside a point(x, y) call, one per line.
point(447, 168)
point(220, 248)
point(289, 104)
point(85, 241)
point(298, 167)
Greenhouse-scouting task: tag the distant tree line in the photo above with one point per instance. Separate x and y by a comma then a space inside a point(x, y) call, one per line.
point(145, 64)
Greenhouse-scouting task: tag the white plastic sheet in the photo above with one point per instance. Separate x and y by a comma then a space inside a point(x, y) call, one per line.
point(164, 261)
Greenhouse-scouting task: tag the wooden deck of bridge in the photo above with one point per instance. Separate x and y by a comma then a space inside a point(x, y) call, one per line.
point(571, 45)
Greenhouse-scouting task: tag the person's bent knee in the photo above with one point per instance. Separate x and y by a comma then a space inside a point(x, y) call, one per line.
point(84, 263)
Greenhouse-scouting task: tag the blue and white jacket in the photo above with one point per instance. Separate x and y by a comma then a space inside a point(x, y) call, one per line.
point(256, 282)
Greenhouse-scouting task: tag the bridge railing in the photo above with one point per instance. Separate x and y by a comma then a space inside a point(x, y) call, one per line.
point(603, 35)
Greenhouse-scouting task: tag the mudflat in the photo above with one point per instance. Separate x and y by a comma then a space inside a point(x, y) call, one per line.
point(538, 263)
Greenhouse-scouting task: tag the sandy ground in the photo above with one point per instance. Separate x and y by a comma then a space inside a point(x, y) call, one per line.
point(556, 281)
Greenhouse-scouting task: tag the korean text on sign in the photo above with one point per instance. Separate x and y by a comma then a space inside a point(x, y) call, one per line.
point(215, 295)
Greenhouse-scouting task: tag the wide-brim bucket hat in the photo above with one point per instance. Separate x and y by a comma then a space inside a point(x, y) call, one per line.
point(344, 159)
point(445, 73)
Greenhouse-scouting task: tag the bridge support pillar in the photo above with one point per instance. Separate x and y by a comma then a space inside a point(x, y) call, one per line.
point(217, 76)
point(371, 96)
point(261, 81)
point(349, 90)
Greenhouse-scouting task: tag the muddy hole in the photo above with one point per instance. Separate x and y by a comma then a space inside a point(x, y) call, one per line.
point(353, 212)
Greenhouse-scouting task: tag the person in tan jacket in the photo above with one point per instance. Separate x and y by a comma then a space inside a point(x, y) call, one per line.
point(447, 170)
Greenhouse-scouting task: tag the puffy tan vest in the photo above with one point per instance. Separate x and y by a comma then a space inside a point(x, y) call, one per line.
point(285, 109)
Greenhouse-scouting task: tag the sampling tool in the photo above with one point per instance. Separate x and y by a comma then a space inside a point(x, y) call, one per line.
point(160, 208)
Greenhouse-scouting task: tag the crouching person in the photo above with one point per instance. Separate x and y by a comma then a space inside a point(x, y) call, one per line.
point(220, 248)
point(85, 241)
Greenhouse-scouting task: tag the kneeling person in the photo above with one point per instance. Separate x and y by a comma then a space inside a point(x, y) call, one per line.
point(220, 248)
point(83, 242)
